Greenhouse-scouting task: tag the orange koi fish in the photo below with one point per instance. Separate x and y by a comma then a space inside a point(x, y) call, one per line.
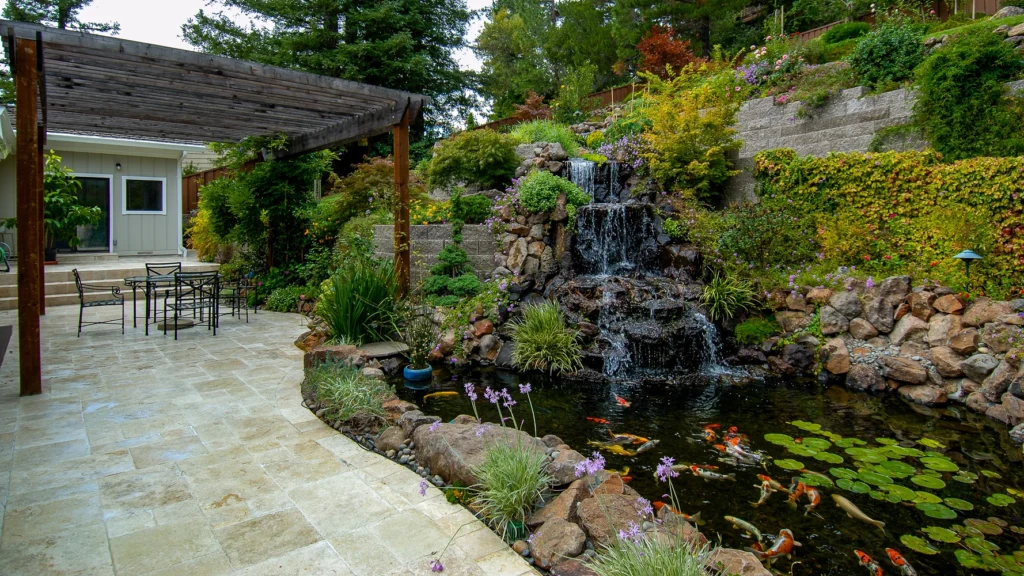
point(622, 401)
point(873, 568)
point(796, 490)
point(597, 420)
point(783, 546)
point(773, 484)
point(702, 471)
point(709, 434)
point(633, 438)
point(813, 496)
point(900, 562)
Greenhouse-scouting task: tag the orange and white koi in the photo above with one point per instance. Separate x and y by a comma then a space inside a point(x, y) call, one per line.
point(813, 496)
point(702, 472)
point(709, 434)
point(633, 438)
point(783, 546)
point(873, 568)
point(735, 449)
point(900, 562)
point(622, 401)
point(773, 484)
point(597, 420)
point(796, 490)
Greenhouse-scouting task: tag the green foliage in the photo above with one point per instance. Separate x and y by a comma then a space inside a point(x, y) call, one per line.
point(967, 26)
point(673, 228)
point(62, 212)
point(651, 556)
point(573, 103)
point(905, 213)
point(474, 209)
point(543, 342)
point(420, 335)
point(633, 121)
point(896, 137)
point(512, 62)
point(888, 55)
point(539, 191)
point(345, 393)
point(451, 277)
point(461, 312)
point(845, 31)
point(766, 234)
point(287, 299)
point(724, 296)
point(809, 14)
point(756, 330)
point(1014, 3)
point(358, 302)
point(513, 479)
point(546, 131)
point(595, 158)
point(962, 103)
point(478, 156)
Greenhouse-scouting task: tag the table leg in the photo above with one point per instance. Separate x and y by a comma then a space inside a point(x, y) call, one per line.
point(135, 311)
point(147, 308)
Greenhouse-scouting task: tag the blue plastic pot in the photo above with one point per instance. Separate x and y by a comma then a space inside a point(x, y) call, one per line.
point(417, 374)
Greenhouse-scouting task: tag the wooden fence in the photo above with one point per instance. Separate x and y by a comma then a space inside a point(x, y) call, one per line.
point(190, 185)
point(605, 97)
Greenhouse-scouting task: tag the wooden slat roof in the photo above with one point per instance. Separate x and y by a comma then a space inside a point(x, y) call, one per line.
point(113, 87)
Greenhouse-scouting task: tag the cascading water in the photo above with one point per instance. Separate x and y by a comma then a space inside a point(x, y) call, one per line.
point(614, 239)
point(581, 173)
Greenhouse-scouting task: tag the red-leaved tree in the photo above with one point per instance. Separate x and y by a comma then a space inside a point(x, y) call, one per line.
point(661, 51)
point(533, 109)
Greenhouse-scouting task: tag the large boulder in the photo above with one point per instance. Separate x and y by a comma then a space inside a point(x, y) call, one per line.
point(948, 304)
point(921, 304)
point(907, 327)
point(999, 337)
point(799, 356)
point(555, 541)
point(571, 568)
point(603, 515)
point(454, 450)
point(819, 296)
point(865, 378)
point(947, 362)
point(517, 256)
point(941, 328)
point(832, 321)
point(998, 381)
point(976, 401)
point(983, 311)
point(736, 563)
point(924, 394)
point(793, 321)
point(564, 506)
point(861, 329)
point(894, 289)
point(979, 366)
point(964, 341)
point(391, 438)
point(1008, 12)
point(413, 419)
point(847, 303)
point(1017, 384)
point(563, 468)
point(836, 356)
point(796, 301)
point(1010, 411)
point(880, 313)
point(904, 370)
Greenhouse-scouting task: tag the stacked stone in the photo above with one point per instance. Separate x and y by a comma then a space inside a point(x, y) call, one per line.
point(1014, 34)
point(926, 343)
point(542, 156)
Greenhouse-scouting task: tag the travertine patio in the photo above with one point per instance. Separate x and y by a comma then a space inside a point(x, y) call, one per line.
point(150, 456)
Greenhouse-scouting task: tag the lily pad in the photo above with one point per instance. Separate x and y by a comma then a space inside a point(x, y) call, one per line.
point(958, 504)
point(874, 478)
point(885, 441)
point(814, 480)
point(998, 521)
point(897, 469)
point(971, 561)
point(876, 495)
point(931, 443)
point(788, 464)
point(934, 454)
point(964, 479)
point(903, 451)
point(930, 472)
point(940, 534)
point(853, 486)
point(918, 544)
point(980, 545)
point(849, 442)
point(829, 458)
point(986, 527)
point(940, 511)
point(842, 473)
point(928, 482)
point(779, 439)
point(807, 426)
point(866, 455)
point(967, 531)
point(1015, 492)
point(939, 464)
point(927, 497)
point(902, 492)
point(801, 450)
point(893, 498)
point(991, 474)
point(1000, 500)
point(818, 444)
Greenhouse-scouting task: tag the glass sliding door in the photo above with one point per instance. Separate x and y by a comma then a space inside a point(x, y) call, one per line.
point(95, 191)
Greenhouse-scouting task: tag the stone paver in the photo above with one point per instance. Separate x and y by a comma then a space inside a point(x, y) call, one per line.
point(149, 456)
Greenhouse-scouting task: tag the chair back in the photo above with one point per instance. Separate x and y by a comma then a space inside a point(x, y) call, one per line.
point(78, 285)
point(204, 284)
point(162, 269)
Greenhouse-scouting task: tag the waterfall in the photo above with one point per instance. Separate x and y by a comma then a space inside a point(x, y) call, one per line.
point(710, 363)
point(614, 238)
point(617, 357)
point(581, 173)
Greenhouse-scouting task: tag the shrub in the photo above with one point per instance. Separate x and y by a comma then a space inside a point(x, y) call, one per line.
point(546, 131)
point(358, 301)
point(595, 139)
point(1014, 3)
point(651, 556)
point(574, 101)
point(539, 190)
point(598, 159)
point(663, 54)
point(345, 393)
point(420, 334)
point(471, 209)
point(512, 480)
point(726, 295)
point(845, 31)
point(766, 234)
point(756, 330)
point(888, 55)
point(543, 342)
point(632, 123)
point(533, 108)
point(202, 238)
point(962, 102)
point(482, 157)
point(287, 299)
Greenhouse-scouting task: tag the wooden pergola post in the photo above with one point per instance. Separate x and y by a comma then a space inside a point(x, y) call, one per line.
point(402, 248)
point(30, 222)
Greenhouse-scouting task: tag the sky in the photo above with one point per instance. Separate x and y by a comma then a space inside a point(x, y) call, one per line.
point(159, 21)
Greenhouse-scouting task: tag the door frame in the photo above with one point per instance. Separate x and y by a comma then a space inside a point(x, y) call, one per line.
point(110, 203)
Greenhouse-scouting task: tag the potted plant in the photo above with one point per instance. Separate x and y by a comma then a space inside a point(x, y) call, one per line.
point(62, 212)
point(420, 336)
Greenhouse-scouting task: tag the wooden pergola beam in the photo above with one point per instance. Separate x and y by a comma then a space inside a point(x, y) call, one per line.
point(403, 260)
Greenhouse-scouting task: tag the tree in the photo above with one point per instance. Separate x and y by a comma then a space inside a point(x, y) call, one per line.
point(401, 44)
point(512, 61)
point(579, 37)
point(663, 54)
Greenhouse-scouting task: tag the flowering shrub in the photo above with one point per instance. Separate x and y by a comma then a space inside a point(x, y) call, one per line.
point(768, 64)
point(627, 150)
point(888, 55)
point(427, 211)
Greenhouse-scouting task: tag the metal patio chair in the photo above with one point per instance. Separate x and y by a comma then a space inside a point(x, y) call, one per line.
point(198, 292)
point(235, 294)
point(160, 269)
point(116, 299)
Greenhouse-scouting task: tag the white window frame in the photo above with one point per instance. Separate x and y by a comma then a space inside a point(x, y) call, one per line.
point(110, 213)
point(124, 196)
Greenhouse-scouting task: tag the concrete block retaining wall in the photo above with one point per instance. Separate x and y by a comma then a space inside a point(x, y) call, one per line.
point(428, 241)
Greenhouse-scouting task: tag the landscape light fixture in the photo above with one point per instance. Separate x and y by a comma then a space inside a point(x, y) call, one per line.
point(967, 256)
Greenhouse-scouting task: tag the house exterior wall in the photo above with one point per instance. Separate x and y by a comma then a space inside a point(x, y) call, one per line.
point(132, 234)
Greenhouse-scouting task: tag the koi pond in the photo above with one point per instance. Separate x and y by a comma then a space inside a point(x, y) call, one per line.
point(947, 483)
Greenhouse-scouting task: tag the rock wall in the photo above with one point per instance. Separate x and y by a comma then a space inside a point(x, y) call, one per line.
point(428, 241)
point(848, 123)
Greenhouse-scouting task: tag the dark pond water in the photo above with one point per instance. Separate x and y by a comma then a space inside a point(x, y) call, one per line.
point(675, 415)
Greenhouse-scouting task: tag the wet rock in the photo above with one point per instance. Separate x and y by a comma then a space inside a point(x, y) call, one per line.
point(832, 321)
point(907, 327)
point(976, 401)
point(819, 296)
point(603, 515)
point(947, 362)
point(904, 370)
point(750, 356)
point(941, 328)
point(861, 329)
point(998, 381)
point(391, 438)
point(964, 341)
point(924, 394)
point(798, 303)
point(979, 366)
point(880, 313)
point(799, 356)
point(454, 450)
point(490, 347)
point(865, 378)
point(1017, 434)
point(736, 563)
point(921, 305)
point(504, 357)
point(571, 568)
point(847, 303)
point(948, 304)
point(983, 311)
point(556, 539)
point(564, 506)
point(793, 321)
point(779, 366)
point(836, 356)
point(1010, 411)
point(563, 468)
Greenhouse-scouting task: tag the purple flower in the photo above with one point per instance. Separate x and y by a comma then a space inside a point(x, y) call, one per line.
point(644, 507)
point(436, 566)
point(870, 283)
point(590, 466)
point(423, 487)
point(665, 471)
point(471, 391)
point(508, 401)
point(435, 426)
point(490, 395)
point(481, 429)
point(525, 388)
point(631, 533)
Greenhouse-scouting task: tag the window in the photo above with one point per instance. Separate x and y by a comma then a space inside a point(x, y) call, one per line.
point(143, 195)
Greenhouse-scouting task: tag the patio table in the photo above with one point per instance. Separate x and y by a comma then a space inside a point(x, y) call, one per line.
point(149, 285)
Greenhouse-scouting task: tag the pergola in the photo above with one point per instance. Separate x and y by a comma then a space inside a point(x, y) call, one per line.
point(75, 82)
